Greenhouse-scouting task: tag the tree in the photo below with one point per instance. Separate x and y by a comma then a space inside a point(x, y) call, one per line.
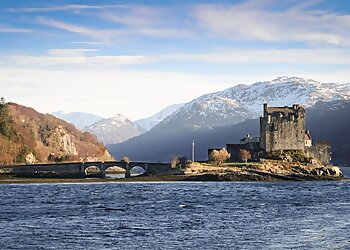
point(245, 155)
point(7, 128)
point(219, 156)
point(178, 162)
point(175, 162)
point(125, 159)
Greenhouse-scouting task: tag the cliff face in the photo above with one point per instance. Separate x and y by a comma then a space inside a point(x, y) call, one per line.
point(43, 138)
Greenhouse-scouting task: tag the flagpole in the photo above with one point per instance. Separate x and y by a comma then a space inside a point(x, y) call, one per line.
point(193, 151)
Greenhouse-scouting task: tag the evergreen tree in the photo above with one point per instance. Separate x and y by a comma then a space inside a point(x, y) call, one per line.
point(7, 128)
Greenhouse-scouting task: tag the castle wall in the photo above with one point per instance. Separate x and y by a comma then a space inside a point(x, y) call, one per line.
point(234, 149)
point(282, 128)
point(321, 151)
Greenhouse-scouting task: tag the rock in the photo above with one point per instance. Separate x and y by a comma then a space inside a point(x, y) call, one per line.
point(314, 161)
point(287, 158)
point(316, 172)
point(335, 171)
point(331, 171)
point(30, 158)
point(68, 145)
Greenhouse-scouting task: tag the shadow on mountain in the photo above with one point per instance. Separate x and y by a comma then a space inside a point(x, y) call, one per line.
point(326, 121)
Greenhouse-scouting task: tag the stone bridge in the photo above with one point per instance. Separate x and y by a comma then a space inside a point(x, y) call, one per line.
point(79, 169)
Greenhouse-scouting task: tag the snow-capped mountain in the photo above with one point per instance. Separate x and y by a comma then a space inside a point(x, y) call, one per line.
point(114, 130)
point(78, 119)
point(240, 102)
point(325, 120)
point(150, 122)
point(218, 118)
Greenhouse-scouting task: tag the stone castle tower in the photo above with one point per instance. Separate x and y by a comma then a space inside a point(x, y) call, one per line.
point(282, 128)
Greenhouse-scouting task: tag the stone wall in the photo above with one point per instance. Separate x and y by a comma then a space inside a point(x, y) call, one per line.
point(321, 151)
point(234, 150)
point(282, 128)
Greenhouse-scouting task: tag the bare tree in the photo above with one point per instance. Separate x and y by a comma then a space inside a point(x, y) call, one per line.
point(219, 156)
point(125, 159)
point(178, 162)
point(175, 162)
point(245, 155)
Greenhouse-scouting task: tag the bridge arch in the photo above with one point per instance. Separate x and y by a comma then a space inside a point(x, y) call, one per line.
point(92, 171)
point(137, 170)
point(115, 169)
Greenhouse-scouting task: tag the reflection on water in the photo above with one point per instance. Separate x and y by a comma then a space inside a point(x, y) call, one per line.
point(120, 175)
point(116, 176)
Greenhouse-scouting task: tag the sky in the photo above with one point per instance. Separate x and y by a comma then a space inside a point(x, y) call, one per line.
point(137, 57)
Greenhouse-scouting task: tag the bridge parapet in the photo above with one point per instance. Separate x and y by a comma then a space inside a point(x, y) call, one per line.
point(78, 169)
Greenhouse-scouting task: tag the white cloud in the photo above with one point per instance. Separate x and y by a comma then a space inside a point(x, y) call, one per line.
point(68, 27)
point(135, 94)
point(88, 57)
point(148, 21)
point(71, 7)
point(102, 35)
point(6, 29)
point(87, 43)
point(71, 57)
point(265, 56)
point(135, 16)
point(253, 20)
point(70, 52)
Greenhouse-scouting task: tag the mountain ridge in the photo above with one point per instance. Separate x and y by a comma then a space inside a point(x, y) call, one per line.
point(78, 119)
point(241, 102)
point(149, 122)
point(115, 129)
point(220, 110)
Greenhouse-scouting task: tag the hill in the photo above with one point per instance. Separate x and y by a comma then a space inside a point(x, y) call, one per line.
point(29, 136)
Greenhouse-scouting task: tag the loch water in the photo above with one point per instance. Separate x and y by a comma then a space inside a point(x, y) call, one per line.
point(176, 215)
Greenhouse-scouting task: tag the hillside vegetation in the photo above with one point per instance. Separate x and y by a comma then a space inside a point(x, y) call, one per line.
point(27, 136)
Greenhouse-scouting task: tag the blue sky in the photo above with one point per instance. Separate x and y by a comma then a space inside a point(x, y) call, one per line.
point(136, 57)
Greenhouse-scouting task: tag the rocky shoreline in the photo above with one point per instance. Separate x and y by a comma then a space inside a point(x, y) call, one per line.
point(268, 170)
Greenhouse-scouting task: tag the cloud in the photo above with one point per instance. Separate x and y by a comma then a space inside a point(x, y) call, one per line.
point(135, 94)
point(257, 21)
point(270, 21)
point(70, 7)
point(149, 21)
point(87, 43)
point(102, 35)
point(6, 29)
point(264, 56)
point(70, 52)
point(135, 16)
point(246, 57)
point(81, 61)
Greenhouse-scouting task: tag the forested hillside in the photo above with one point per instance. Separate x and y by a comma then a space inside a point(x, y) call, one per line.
point(29, 136)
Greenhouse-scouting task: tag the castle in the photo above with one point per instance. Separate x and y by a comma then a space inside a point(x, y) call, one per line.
point(281, 129)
